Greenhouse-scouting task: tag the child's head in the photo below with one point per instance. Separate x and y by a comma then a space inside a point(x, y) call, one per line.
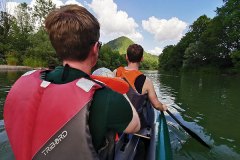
point(103, 72)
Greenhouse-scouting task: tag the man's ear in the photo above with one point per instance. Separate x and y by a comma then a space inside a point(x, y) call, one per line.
point(126, 57)
point(141, 59)
point(94, 49)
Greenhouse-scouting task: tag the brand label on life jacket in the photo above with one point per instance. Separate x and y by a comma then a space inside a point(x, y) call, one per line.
point(53, 144)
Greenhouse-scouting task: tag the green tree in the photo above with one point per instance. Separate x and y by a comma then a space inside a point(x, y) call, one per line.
point(165, 59)
point(104, 57)
point(229, 14)
point(41, 10)
point(41, 52)
point(198, 27)
point(209, 42)
point(24, 18)
point(235, 56)
point(110, 58)
point(21, 29)
point(150, 62)
point(5, 28)
point(194, 54)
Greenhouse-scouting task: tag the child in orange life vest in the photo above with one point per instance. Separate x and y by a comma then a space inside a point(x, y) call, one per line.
point(106, 76)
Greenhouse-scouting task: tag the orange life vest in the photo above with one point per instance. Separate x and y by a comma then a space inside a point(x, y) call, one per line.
point(129, 75)
point(115, 83)
point(139, 101)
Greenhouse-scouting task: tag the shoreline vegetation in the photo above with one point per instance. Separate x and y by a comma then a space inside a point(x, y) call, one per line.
point(210, 45)
point(203, 70)
point(10, 67)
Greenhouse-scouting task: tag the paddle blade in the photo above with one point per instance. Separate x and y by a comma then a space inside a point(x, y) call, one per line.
point(191, 133)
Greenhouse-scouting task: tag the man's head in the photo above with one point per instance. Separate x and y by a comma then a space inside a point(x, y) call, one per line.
point(72, 31)
point(135, 53)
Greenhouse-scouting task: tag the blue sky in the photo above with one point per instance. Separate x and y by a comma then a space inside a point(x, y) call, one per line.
point(151, 23)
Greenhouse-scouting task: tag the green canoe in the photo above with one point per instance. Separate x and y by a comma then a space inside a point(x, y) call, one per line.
point(155, 139)
point(130, 146)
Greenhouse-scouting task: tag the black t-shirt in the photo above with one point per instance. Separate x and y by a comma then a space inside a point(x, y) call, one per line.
point(139, 82)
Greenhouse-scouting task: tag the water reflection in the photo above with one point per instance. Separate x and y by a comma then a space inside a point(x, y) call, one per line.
point(7, 78)
point(5, 148)
point(208, 105)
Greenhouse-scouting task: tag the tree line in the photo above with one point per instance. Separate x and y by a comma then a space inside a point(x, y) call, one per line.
point(210, 44)
point(23, 40)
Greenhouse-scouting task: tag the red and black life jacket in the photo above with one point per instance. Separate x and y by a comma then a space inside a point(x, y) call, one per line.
point(49, 121)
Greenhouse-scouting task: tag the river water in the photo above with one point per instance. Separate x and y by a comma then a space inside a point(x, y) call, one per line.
point(206, 104)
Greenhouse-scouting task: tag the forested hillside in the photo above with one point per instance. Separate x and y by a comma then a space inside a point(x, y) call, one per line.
point(121, 44)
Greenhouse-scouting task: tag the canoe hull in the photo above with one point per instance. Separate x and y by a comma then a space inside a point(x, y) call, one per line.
point(128, 147)
point(155, 140)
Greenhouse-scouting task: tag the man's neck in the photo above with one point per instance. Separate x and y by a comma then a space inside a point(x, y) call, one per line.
point(133, 66)
point(83, 66)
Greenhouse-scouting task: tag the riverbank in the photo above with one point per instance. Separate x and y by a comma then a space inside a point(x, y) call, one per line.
point(8, 67)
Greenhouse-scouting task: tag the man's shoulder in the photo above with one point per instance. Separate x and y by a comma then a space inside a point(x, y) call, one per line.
point(106, 92)
point(110, 100)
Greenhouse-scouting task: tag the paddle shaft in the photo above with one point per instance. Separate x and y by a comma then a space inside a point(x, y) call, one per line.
point(191, 133)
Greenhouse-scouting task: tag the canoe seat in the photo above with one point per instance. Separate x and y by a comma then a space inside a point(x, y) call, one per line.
point(125, 148)
point(144, 133)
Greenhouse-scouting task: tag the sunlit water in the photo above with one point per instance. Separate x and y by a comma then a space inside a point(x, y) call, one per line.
point(207, 104)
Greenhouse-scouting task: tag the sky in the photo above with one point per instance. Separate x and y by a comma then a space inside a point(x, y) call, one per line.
point(154, 24)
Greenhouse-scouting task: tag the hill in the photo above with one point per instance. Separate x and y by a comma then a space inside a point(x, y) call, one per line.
point(121, 44)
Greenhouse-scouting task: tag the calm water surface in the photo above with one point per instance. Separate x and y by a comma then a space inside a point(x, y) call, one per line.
point(7, 78)
point(207, 104)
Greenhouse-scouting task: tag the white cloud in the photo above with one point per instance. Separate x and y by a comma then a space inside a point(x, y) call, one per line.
point(73, 2)
point(163, 29)
point(11, 7)
point(156, 51)
point(58, 3)
point(115, 23)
